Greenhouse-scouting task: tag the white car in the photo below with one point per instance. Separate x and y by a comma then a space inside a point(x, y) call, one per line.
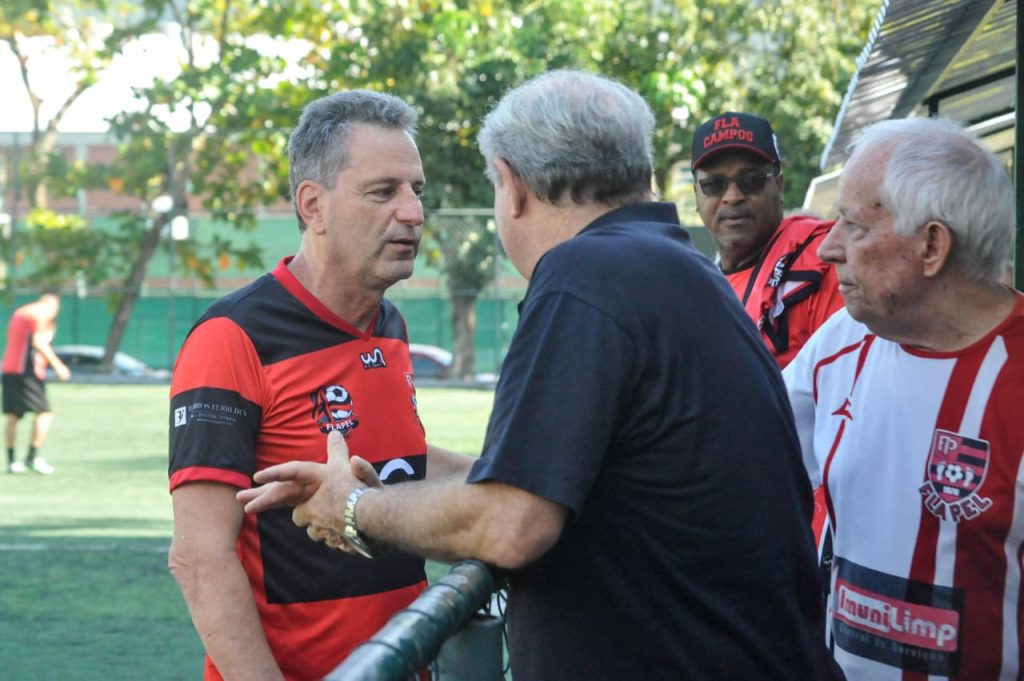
point(84, 362)
point(432, 362)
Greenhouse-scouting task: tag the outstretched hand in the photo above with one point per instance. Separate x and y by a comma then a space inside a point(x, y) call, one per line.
point(287, 484)
point(317, 491)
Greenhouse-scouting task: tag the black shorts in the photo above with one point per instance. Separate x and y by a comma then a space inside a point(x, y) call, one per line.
point(24, 393)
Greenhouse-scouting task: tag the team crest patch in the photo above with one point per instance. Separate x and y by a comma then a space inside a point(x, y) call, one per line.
point(333, 409)
point(956, 470)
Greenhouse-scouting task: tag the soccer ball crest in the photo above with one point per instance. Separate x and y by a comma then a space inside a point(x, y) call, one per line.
point(954, 478)
point(333, 409)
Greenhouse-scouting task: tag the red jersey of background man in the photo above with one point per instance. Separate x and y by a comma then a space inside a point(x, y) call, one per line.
point(789, 292)
point(19, 356)
point(262, 379)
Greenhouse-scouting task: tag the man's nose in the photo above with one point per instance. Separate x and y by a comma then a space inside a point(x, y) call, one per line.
point(831, 248)
point(410, 208)
point(732, 192)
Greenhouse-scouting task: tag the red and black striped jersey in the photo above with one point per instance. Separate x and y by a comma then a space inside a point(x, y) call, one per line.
point(920, 454)
point(262, 378)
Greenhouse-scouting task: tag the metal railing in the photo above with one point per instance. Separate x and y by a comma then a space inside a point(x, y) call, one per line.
point(414, 636)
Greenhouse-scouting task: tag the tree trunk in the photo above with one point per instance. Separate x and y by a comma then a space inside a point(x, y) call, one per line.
point(132, 288)
point(464, 329)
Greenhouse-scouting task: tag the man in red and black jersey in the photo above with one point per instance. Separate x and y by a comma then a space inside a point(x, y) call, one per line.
point(771, 262)
point(269, 371)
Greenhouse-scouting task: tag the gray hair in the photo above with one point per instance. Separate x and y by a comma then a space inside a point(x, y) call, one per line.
point(317, 149)
point(936, 170)
point(576, 132)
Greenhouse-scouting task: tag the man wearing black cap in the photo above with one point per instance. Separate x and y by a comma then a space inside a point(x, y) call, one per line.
point(770, 261)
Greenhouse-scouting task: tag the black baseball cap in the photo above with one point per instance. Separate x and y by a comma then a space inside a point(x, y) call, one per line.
point(733, 130)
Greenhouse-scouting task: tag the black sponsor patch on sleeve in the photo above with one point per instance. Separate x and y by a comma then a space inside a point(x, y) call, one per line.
point(215, 428)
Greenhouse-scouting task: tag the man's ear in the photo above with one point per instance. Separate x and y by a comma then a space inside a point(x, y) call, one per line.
point(518, 193)
point(937, 246)
point(307, 204)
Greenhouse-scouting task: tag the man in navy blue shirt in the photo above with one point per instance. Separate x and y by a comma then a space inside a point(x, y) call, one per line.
point(641, 477)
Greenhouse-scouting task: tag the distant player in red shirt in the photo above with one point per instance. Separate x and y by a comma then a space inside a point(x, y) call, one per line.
point(771, 262)
point(26, 356)
point(907, 404)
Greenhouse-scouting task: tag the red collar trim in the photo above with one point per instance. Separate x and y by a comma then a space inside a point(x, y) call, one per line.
point(295, 287)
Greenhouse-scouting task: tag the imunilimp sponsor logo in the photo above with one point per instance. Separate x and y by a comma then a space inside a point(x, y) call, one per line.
point(909, 623)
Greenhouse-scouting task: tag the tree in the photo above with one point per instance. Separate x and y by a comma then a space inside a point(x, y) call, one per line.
point(213, 136)
point(453, 60)
point(789, 59)
point(212, 139)
point(71, 33)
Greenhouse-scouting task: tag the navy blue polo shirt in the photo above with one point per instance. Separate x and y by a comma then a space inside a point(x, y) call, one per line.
point(638, 394)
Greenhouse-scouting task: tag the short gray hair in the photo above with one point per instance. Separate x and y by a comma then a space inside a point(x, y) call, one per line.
point(936, 170)
point(576, 132)
point(317, 149)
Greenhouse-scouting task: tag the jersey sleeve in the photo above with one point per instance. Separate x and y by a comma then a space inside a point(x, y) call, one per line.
point(558, 402)
point(216, 398)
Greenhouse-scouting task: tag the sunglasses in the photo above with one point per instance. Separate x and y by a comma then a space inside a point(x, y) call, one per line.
point(748, 183)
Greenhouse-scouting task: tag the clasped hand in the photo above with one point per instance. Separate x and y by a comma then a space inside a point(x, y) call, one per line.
point(317, 491)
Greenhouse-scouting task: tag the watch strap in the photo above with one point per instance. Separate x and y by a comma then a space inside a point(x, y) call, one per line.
point(352, 536)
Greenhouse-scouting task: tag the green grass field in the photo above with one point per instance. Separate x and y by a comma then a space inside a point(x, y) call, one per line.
point(84, 589)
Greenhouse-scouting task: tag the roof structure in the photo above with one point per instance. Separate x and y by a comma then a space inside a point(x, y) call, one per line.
point(953, 58)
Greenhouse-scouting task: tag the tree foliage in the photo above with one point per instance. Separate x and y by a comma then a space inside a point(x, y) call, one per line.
point(72, 33)
point(214, 137)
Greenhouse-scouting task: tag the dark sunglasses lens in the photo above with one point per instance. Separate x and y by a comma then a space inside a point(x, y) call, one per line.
point(751, 184)
point(747, 184)
point(714, 187)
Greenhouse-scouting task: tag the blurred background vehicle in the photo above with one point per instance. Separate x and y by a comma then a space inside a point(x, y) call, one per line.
point(84, 362)
point(431, 363)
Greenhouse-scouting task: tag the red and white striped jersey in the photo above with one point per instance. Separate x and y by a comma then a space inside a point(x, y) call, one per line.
point(920, 456)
